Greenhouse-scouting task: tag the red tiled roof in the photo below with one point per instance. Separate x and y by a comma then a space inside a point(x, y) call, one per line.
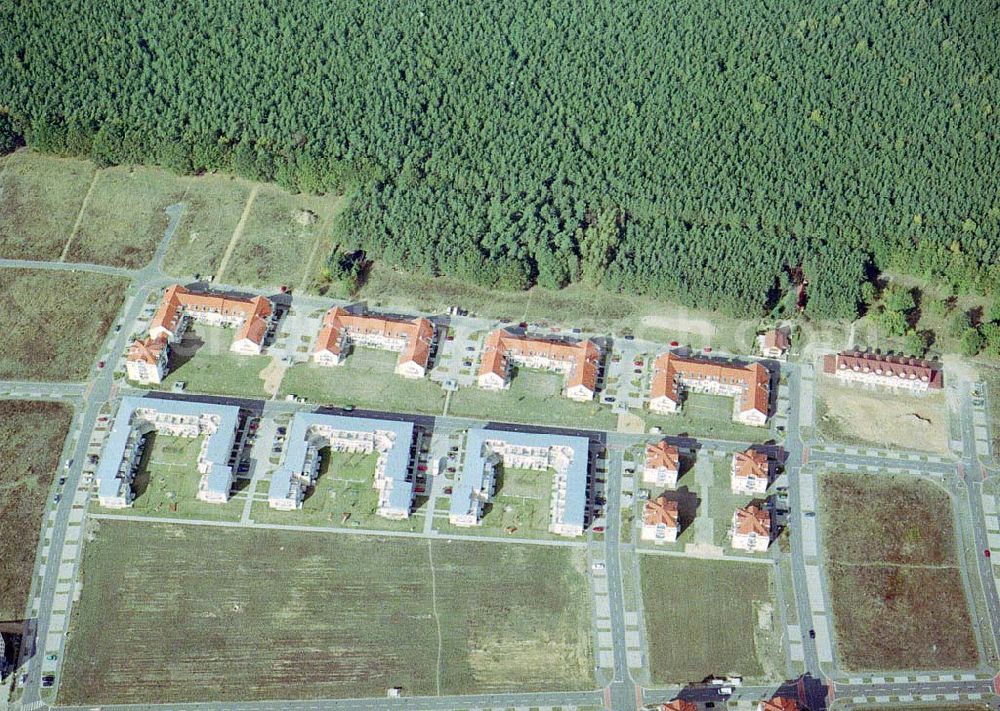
point(255, 312)
point(660, 511)
point(669, 369)
point(779, 703)
point(750, 463)
point(776, 338)
point(753, 520)
point(418, 333)
point(678, 705)
point(885, 365)
point(663, 455)
point(584, 356)
point(148, 350)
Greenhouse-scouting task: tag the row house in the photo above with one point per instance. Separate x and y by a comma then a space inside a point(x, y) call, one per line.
point(412, 339)
point(897, 372)
point(751, 529)
point(779, 703)
point(748, 385)
point(579, 362)
point(662, 465)
point(660, 521)
point(750, 472)
point(678, 705)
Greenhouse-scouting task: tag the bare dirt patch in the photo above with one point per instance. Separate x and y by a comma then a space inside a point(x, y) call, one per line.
point(887, 419)
point(680, 322)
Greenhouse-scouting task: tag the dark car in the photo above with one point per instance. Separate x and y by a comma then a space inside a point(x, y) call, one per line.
point(812, 634)
point(100, 365)
point(282, 430)
point(987, 553)
point(48, 680)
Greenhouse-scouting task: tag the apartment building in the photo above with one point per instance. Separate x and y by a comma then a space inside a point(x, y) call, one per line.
point(251, 318)
point(580, 362)
point(774, 343)
point(779, 703)
point(748, 385)
point(678, 705)
point(138, 417)
point(660, 521)
point(750, 472)
point(146, 361)
point(486, 450)
point(412, 339)
point(897, 372)
point(394, 443)
point(751, 529)
point(662, 465)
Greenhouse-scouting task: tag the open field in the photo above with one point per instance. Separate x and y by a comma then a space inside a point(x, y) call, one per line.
point(37, 311)
point(344, 495)
point(704, 415)
point(853, 415)
point(204, 362)
point(166, 483)
point(338, 615)
point(534, 396)
point(214, 205)
point(275, 248)
point(124, 219)
point(365, 380)
point(31, 442)
point(578, 305)
point(520, 507)
point(40, 197)
point(709, 617)
point(895, 587)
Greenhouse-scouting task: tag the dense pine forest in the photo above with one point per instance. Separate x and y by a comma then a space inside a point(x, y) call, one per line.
point(707, 151)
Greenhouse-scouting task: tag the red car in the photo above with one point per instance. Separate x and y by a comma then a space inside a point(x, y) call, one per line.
point(100, 366)
point(674, 344)
point(421, 467)
point(987, 553)
point(598, 529)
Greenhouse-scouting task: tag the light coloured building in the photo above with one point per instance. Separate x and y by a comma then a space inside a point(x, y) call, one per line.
point(779, 703)
point(393, 441)
point(251, 318)
point(748, 385)
point(580, 362)
point(137, 417)
point(751, 530)
point(568, 457)
point(146, 361)
point(774, 343)
point(897, 372)
point(412, 339)
point(750, 472)
point(662, 466)
point(660, 521)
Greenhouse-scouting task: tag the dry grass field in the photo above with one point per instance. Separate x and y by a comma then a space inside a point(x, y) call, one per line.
point(720, 625)
point(214, 205)
point(853, 415)
point(895, 586)
point(39, 308)
point(31, 441)
point(40, 197)
point(183, 613)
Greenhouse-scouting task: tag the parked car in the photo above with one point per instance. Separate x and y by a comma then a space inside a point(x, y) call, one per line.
point(100, 365)
point(48, 680)
point(282, 430)
point(52, 657)
point(62, 480)
point(598, 529)
point(987, 553)
point(597, 567)
point(630, 337)
point(57, 498)
point(812, 634)
point(421, 467)
point(448, 490)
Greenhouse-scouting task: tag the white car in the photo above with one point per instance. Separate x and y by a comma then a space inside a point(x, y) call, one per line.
point(597, 567)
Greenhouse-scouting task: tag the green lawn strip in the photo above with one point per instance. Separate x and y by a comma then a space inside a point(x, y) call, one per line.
point(203, 361)
point(704, 617)
point(365, 380)
point(339, 616)
point(166, 483)
point(344, 496)
point(534, 397)
point(705, 415)
point(53, 322)
point(40, 197)
point(125, 219)
point(992, 378)
point(722, 503)
point(31, 441)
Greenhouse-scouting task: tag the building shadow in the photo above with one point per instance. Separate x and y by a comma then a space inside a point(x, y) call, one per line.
point(688, 503)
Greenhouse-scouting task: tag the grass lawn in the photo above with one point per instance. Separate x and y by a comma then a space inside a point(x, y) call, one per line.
point(166, 483)
point(40, 197)
point(366, 380)
point(709, 617)
point(344, 488)
point(193, 608)
point(31, 441)
point(704, 415)
point(895, 586)
point(214, 206)
point(520, 507)
point(124, 220)
point(534, 396)
point(722, 502)
point(204, 362)
point(38, 308)
point(854, 415)
point(275, 248)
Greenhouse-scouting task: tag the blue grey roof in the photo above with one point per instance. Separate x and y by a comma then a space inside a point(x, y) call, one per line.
point(471, 478)
point(217, 452)
point(397, 458)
